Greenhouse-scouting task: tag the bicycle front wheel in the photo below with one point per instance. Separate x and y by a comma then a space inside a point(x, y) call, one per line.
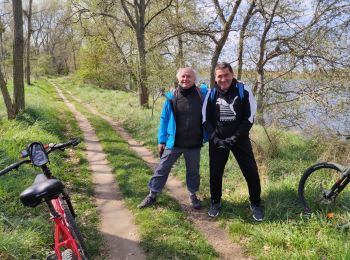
point(73, 228)
point(316, 183)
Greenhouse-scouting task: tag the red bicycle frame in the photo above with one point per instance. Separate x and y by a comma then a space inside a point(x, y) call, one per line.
point(62, 235)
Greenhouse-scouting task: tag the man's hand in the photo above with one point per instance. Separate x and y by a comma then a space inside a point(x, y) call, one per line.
point(230, 141)
point(219, 143)
point(161, 148)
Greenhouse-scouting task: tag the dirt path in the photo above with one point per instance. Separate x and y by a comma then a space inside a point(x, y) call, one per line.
point(216, 236)
point(117, 227)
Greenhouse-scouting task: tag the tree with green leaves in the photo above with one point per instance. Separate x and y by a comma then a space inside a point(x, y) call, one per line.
point(99, 67)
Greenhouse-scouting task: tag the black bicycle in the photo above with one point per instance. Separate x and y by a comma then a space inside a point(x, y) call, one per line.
point(69, 243)
point(320, 186)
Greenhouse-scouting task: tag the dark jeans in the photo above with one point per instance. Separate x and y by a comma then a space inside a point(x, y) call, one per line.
point(243, 153)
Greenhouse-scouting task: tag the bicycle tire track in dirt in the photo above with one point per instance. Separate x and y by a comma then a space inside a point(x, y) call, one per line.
point(215, 235)
point(119, 232)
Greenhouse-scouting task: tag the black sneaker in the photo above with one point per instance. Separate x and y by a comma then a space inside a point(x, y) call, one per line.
point(214, 209)
point(196, 203)
point(148, 201)
point(257, 212)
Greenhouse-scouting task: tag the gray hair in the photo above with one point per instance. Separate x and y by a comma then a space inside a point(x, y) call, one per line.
point(193, 71)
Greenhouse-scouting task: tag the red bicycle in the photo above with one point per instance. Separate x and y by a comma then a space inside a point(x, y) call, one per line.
point(69, 243)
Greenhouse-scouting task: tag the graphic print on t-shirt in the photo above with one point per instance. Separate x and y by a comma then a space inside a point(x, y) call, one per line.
point(227, 111)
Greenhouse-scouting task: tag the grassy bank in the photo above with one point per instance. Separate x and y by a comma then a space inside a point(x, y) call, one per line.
point(26, 233)
point(281, 158)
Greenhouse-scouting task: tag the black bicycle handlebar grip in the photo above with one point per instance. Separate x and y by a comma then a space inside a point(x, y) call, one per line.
point(75, 141)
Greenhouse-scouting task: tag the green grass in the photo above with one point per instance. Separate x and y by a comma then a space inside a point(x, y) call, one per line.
point(165, 232)
point(284, 233)
point(26, 233)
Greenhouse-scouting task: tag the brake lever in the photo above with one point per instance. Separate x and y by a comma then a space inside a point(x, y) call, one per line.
point(24, 154)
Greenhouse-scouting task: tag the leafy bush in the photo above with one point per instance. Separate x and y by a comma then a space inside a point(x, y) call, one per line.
point(97, 66)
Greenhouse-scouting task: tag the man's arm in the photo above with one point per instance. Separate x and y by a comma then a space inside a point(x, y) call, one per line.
point(163, 123)
point(207, 114)
point(249, 111)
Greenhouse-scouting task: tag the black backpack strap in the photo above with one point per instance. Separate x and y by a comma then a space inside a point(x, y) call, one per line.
point(173, 101)
point(200, 93)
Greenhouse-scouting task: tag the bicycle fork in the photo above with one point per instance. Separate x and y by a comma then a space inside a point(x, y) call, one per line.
point(339, 185)
point(66, 197)
point(62, 235)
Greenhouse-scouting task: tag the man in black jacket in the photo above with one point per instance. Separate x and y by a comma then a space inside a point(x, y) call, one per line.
point(228, 112)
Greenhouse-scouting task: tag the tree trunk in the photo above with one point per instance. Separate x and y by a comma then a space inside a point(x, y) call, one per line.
point(18, 46)
point(28, 41)
point(143, 91)
point(74, 58)
point(241, 39)
point(214, 61)
point(223, 38)
point(7, 98)
point(2, 53)
point(2, 30)
point(260, 82)
point(218, 48)
point(180, 62)
point(140, 38)
point(139, 26)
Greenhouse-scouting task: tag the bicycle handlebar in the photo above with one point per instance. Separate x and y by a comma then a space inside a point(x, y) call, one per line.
point(13, 166)
point(73, 142)
point(52, 147)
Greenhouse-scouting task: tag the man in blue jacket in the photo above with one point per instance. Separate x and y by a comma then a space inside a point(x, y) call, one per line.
point(180, 132)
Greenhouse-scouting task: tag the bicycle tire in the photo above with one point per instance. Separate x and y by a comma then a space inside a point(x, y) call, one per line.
point(315, 182)
point(73, 228)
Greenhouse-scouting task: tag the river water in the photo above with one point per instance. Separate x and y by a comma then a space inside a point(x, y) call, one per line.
point(315, 106)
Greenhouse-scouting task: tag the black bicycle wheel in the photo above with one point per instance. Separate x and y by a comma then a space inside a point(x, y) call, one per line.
point(318, 181)
point(73, 228)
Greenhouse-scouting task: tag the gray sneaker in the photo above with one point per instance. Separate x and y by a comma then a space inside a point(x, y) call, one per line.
point(148, 201)
point(257, 212)
point(196, 203)
point(214, 209)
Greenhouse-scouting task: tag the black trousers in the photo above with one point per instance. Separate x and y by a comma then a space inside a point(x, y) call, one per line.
point(243, 153)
